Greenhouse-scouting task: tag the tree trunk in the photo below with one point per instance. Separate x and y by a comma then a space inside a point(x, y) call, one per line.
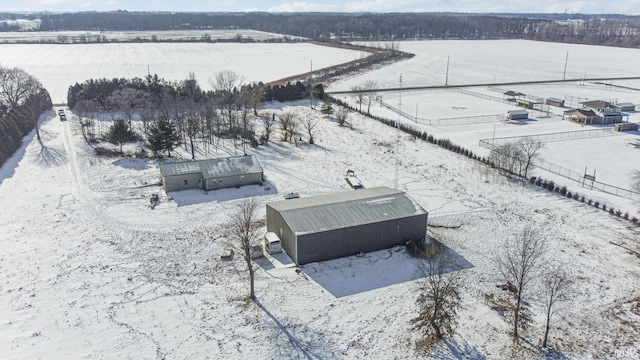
point(546, 330)
point(193, 155)
point(251, 276)
point(516, 317)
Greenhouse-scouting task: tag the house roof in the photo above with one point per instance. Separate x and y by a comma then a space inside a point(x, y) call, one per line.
point(583, 112)
point(518, 112)
point(626, 104)
point(214, 168)
point(346, 209)
point(513, 93)
point(555, 99)
point(598, 104)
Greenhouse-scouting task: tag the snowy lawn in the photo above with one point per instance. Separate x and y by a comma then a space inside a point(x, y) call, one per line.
point(88, 270)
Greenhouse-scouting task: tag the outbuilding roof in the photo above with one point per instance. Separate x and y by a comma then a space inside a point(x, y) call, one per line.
point(598, 104)
point(346, 209)
point(584, 112)
point(518, 112)
point(214, 168)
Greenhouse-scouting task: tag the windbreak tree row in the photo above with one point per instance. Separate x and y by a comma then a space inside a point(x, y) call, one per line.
point(171, 114)
point(22, 101)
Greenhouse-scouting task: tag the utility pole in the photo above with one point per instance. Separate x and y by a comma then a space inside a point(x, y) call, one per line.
point(311, 86)
point(566, 59)
point(446, 79)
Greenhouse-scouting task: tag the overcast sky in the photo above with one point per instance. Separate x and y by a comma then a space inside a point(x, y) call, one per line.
point(629, 7)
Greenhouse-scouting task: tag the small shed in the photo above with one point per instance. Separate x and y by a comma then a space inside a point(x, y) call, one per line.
point(554, 101)
point(211, 174)
point(331, 226)
point(517, 114)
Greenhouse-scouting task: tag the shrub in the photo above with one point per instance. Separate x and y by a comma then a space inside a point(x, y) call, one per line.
point(618, 213)
point(596, 204)
point(563, 190)
point(604, 207)
point(611, 211)
point(550, 186)
point(532, 180)
point(569, 195)
point(590, 202)
point(582, 199)
point(634, 220)
point(576, 196)
point(626, 216)
point(539, 181)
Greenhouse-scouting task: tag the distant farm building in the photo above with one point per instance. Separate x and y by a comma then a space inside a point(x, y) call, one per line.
point(553, 101)
point(331, 226)
point(582, 116)
point(211, 174)
point(517, 114)
point(512, 95)
point(527, 103)
point(600, 106)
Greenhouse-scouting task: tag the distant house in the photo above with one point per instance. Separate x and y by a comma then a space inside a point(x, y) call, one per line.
point(600, 106)
point(211, 174)
point(335, 225)
point(553, 101)
point(582, 116)
point(517, 114)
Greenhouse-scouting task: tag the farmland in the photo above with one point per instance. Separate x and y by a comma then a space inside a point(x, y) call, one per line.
point(89, 270)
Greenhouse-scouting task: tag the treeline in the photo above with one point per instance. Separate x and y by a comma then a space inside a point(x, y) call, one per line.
point(22, 101)
point(107, 95)
point(173, 113)
point(615, 30)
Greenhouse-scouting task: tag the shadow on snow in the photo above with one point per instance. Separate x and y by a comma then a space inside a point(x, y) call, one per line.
point(360, 273)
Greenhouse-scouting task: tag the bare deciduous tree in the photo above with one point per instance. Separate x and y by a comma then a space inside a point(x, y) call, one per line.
point(227, 83)
point(529, 152)
point(309, 123)
point(370, 88)
point(557, 284)
point(288, 125)
point(635, 180)
point(519, 262)
point(439, 298)
point(16, 86)
point(507, 157)
point(267, 123)
point(242, 230)
point(341, 115)
point(359, 95)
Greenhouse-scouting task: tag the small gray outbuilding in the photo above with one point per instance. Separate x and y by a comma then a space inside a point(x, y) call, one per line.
point(211, 174)
point(335, 225)
point(517, 114)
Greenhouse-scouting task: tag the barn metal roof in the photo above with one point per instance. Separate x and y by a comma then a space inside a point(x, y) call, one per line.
point(346, 209)
point(518, 112)
point(214, 168)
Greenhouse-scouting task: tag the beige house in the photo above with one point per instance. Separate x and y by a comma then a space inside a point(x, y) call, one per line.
point(211, 174)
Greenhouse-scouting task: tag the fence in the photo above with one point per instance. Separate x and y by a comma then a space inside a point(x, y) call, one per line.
point(463, 120)
point(565, 172)
point(549, 137)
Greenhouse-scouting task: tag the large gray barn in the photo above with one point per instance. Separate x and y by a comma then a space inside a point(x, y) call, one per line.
point(211, 174)
point(330, 226)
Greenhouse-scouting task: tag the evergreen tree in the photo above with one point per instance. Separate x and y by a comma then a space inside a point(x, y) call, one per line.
point(163, 136)
point(119, 134)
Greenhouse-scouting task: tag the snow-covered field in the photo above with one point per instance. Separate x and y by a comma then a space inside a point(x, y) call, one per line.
point(60, 66)
point(88, 270)
point(180, 35)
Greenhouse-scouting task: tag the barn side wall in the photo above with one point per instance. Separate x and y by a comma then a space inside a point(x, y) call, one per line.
point(363, 238)
point(233, 181)
point(277, 225)
point(176, 183)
